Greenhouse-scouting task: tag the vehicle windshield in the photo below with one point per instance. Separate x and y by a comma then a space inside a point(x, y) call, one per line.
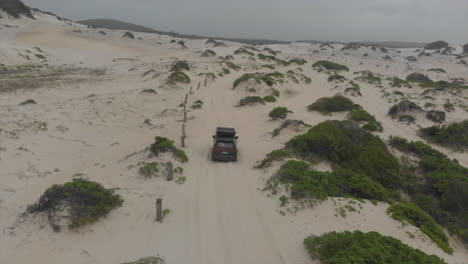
point(225, 145)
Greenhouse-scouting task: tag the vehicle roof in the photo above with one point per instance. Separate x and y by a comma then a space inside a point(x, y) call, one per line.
point(225, 129)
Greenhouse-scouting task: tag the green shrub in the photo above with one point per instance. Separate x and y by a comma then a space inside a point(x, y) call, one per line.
point(369, 77)
point(180, 66)
point(279, 113)
point(454, 135)
point(444, 194)
point(208, 53)
point(306, 183)
point(412, 214)
point(397, 82)
point(373, 126)
point(327, 105)
point(347, 145)
point(163, 144)
point(364, 248)
point(243, 51)
point(297, 61)
point(438, 70)
point(149, 169)
point(269, 78)
point(179, 76)
point(269, 99)
point(197, 104)
point(251, 100)
point(85, 201)
point(275, 155)
point(330, 66)
point(336, 77)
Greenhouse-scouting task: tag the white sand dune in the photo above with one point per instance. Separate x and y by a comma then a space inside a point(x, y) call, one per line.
point(220, 215)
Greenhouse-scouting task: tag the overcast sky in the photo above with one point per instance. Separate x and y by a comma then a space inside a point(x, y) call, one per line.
point(334, 20)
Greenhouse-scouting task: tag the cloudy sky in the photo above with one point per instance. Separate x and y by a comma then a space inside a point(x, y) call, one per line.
point(334, 20)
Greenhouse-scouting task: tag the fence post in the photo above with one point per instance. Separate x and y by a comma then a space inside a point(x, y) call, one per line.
point(185, 116)
point(184, 135)
point(159, 215)
point(190, 90)
point(170, 171)
point(199, 83)
point(182, 140)
point(186, 97)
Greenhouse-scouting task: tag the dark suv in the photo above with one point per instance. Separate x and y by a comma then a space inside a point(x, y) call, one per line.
point(225, 145)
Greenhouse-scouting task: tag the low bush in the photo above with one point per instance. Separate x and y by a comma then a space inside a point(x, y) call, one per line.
point(180, 66)
point(369, 77)
point(197, 104)
point(361, 115)
point(444, 193)
point(414, 215)
point(149, 170)
point(454, 135)
point(328, 65)
point(397, 82)
point(297, 61)
point(208, 53)
point(163, 144)
point(279, 113)
point(243, 51)
point(232, 65)
point(327, 105)
point(306, 183)
point(269, 99)
point(179, 76)
point(336, 77)
point(418, 77)
point(347, 145)
point(251, 100)
point(438, 70)
point(85, 202)
point(289, 123)
point(268, 78)
point(364, 248)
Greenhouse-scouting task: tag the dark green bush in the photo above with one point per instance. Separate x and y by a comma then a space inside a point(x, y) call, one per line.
point(397, 82)
point(369, 77)
point(327, 105)
point(336, 77)
point(279, 113)
point(347, 145)
point(454, 135)
point(412, 214)
point(243, 51)
point(180, 66)
point(444, 193)
point(179, 76)
point(251, 100)
point(149, 170)
point(269, 78)
point(306, 183)
point(85, 201)
point(328, 65)
point(269, 99)
point(297, 61)
point(364, 248)
point(163, 144)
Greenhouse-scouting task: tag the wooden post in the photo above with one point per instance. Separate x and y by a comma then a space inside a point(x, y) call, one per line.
point(186, 97)
point(170, 171)
point(182, 141)
point(183, 131)
point(190, 90)
point(199, 83)
point(159, 214)
point(185, 116)
point(185, 107)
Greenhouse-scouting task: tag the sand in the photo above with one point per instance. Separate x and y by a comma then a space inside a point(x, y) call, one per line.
point(220, 214)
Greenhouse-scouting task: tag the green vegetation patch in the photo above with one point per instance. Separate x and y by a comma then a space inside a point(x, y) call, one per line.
point(232, 65)
point(444, 193)
point(241, 51)
point(85, 202)
point(148, 170)
point(454, 135)
point(368, 77)
point(328, 65)
point(297, 61)
point(148, 260)
point(349, 146)
point(361, 115)
point(179, 76)
point(397, 82)
point(251, 100)
point(336, 77)
point(197, 104)
point(163, 144)
point(364, 248)
point(414, 215)
point(269, 99)
point(327, 105)
point(438, 70)
point(279, 113)
point(304, 182)
point(268, 78)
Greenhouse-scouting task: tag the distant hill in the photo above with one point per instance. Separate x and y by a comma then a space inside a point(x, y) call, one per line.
point(15, 8)
point(115, 24)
